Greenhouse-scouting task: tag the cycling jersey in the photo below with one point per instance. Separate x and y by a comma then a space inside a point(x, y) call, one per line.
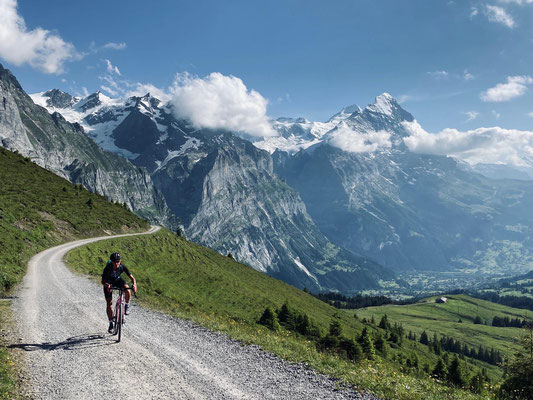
point(110, 275)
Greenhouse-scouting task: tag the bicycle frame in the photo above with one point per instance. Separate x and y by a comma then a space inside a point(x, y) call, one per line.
point(118, 316)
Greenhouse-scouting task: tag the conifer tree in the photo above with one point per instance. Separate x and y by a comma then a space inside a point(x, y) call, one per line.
point(270, 320)
point(440, 371)
point(476, 384)
point(455, 373)
point(380, 344)
point(286, 317)
point(384, 323)
point(519, 369)
point(366, 344)
point(335, 327)
point(424, 338)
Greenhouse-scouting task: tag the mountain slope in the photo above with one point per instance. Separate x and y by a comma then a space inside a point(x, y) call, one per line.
point(63, 148)
point(407, 210)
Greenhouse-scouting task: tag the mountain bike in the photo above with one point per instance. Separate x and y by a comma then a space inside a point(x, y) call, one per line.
point(119, 316)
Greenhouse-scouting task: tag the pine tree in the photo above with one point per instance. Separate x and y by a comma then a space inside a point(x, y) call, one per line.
point(286, 317)
point(455, 373)
point(270, 320)
point(384, 323)
point(440, 371)
point(380, 344)
point(366, 344)
point(352, 349)
point(424, 338)
point(519, 369)
point(335, 327)
point(476, 384)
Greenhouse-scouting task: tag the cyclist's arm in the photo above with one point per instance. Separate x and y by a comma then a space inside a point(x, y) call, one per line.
point(133, 281)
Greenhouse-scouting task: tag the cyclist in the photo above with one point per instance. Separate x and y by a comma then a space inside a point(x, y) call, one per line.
point(111, 277)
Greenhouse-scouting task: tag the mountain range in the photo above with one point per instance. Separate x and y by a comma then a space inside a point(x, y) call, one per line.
point(336, 205)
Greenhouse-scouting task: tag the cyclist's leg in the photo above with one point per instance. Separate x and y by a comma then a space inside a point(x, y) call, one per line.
point(109, 307)
point(127, 294)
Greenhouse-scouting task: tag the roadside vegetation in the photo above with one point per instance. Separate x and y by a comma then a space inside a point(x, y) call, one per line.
point(38, 210)
point(190, 281)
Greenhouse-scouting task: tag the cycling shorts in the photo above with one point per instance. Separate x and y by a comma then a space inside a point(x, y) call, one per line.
point(119, 282)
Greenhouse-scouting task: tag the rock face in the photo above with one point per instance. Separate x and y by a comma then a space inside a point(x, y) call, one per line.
point(63, 148)
point(227, 194)
point(410, 211)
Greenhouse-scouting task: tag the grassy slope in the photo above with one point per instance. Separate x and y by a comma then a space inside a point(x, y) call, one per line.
point(38, 210)
point(442, 319)
point(188, 280)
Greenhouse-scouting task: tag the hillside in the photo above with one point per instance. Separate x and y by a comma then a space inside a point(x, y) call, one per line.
point(455, 319)
point(190, 281)
point(39, 209)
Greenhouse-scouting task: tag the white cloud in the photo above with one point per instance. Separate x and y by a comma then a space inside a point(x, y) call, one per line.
point(471, 115)
point(112, 69)
point(115, 46)
point(467, 76)
point(357, 142)
point(38, 47)
point(219, 101)
point(530, 114)
point(483, 145)
point(109, 90)
point(519, 2)
point(473, 12)
point(499, 15)
point(496, 114)
point(438, 74)
point(514, 87)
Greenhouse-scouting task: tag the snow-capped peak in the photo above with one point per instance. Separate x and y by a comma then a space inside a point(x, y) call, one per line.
point(345, 113)
point(384, 104)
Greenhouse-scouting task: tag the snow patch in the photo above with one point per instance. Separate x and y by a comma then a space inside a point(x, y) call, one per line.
point(191, 143)
point(304, 269)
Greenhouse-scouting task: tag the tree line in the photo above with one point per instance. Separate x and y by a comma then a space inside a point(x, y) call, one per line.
point(452, 345)
point(340, 301)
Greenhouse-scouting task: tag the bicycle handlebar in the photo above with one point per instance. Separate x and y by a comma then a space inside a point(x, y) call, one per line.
point(122, 288)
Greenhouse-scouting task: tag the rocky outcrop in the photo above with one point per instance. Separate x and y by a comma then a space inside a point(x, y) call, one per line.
point(63, 148)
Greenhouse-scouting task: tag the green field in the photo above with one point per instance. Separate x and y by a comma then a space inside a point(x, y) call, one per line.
point(190, 281)
point(443, 319)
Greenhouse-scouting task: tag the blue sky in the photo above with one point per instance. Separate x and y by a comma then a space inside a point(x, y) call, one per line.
point(452, 64)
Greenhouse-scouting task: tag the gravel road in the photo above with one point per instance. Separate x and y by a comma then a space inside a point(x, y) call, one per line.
point(62, 325)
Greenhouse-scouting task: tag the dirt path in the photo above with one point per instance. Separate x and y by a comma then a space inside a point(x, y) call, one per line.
point(61, 325)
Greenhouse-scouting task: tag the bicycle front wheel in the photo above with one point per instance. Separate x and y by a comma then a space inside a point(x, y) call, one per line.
point(120, 316)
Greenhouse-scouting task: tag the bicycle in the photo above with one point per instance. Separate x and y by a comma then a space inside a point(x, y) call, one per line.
point(119, 316)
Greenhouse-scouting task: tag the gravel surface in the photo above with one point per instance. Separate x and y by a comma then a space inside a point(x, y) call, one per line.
point(62, 325)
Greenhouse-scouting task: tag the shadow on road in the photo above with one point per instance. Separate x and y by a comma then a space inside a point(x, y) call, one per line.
point(72, 343)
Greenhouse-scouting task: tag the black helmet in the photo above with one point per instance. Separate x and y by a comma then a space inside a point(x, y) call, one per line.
point(115, 257)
